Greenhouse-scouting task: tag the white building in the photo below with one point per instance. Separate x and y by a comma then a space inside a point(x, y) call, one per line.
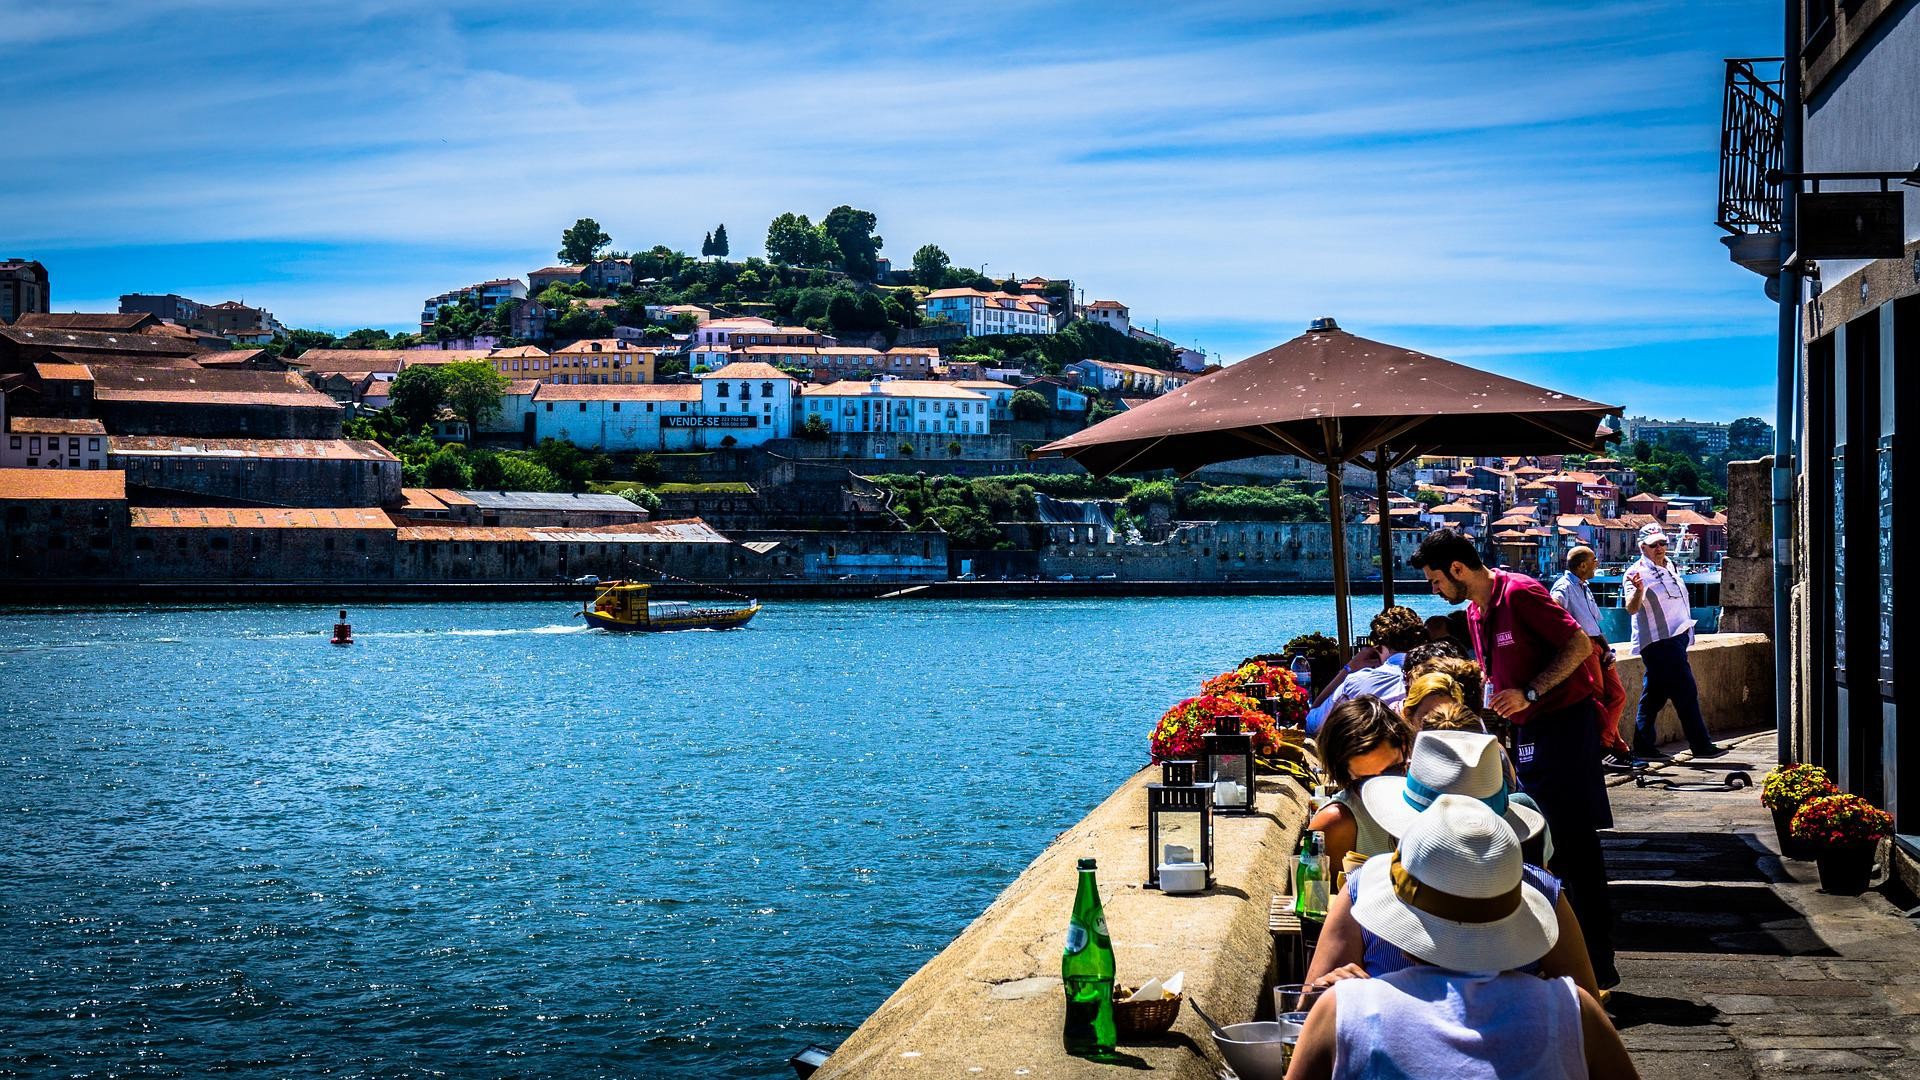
point(486, 295)
point(615, 417)
point(45, 442)
point(752, 330)
point(999, 396)
point(1111, 314)
point(751, 402)
point(904, 405)
point(991, 313)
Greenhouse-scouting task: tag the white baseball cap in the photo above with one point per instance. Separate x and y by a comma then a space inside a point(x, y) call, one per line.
point(1652, 533)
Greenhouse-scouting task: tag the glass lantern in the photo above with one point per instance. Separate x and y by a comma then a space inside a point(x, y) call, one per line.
point(1226, 762)
point(1179, 830)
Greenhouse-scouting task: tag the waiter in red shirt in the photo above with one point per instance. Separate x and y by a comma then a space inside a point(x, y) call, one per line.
point(1535, 655)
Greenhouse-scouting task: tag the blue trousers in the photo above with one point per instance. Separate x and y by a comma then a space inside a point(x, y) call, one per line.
point(1669, 678)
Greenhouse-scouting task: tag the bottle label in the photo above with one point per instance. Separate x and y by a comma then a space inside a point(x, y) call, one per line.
point(1076, 938)
point(1100, 928)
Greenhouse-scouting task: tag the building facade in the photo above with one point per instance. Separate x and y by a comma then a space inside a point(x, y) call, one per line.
point(985, 313)
point(23, 288)
point(485, 295)
point(1111, 314)
point(598, 361)
point(907, 407)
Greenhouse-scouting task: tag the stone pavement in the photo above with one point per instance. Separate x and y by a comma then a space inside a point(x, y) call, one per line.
point(1735, 964)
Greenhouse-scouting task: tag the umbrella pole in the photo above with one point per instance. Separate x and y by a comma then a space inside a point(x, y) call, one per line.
point(1386, 527)
point(1338, 519)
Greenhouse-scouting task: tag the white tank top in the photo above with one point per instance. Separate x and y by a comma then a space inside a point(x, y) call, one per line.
point(1424, 1021)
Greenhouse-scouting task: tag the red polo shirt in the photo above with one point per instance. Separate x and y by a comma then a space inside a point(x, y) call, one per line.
point(1518, 635)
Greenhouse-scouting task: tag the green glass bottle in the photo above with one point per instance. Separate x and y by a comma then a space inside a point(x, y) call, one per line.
point(1310, 879)
point(1086, 967)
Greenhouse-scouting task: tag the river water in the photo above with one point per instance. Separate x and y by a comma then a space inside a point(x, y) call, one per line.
point(484, 841)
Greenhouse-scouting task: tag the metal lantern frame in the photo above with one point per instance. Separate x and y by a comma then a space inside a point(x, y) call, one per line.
point(1178, 794)
point(1227, 742)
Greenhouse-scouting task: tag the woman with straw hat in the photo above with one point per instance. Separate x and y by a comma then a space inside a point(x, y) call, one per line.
point(1454, 898)
point(1445, 763)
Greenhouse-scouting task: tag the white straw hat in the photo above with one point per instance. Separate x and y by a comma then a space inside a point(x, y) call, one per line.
point(1448, 763)
point(1453, 895)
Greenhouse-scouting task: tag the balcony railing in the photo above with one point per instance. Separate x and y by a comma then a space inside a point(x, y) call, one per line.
point(1751, 146)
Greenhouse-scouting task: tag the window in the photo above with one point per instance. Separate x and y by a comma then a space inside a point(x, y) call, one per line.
point(549, 406)
point(583, 406)
point(616, 406)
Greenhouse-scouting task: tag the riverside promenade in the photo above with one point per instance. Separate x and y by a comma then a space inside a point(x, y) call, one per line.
point(1735, 964)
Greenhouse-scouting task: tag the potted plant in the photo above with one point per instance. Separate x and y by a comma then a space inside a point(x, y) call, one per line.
point(1782, 791)
point(1845, 831)
point(1177, 736)
point(1270, 684)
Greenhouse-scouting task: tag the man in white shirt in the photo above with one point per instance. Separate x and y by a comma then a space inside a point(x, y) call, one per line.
point(1572, 592)
point(1376, 670)
point(1662, 629)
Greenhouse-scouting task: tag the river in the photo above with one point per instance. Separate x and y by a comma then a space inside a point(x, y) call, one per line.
point(485, 841)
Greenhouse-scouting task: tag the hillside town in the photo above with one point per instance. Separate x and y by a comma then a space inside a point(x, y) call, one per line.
point(853, 423)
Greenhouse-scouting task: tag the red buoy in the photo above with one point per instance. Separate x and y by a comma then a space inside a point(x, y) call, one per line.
point(343, 630)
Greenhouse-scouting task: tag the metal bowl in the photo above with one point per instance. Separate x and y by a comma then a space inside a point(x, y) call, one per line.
point(1256, 1050)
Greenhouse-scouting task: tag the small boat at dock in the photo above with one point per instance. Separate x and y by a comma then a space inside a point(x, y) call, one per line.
point(624, 605)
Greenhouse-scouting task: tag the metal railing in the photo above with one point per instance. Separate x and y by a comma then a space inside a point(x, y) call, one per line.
point(1751, 146)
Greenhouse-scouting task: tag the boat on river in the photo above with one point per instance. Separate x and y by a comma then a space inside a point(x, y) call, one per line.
point(623, 605)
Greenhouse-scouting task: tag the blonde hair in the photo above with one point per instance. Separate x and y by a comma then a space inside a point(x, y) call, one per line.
point(1453, 716)
point(1428, 685)
point(1465, 673)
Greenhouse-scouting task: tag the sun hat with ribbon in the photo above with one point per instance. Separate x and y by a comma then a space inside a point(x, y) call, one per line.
point(1453, 894)
point(1448, 763)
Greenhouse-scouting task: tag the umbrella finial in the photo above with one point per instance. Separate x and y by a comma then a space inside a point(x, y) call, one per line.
point(1322, 324)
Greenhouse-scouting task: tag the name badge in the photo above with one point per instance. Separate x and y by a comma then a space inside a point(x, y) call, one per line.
point(1523, 754)
point(1504, 637)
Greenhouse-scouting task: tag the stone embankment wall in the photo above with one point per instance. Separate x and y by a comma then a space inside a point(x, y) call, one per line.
point(1211, 551)
point(990, 1003)
point(1735, 674)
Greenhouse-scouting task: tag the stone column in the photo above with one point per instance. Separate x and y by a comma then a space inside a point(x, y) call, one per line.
point(1746, 577)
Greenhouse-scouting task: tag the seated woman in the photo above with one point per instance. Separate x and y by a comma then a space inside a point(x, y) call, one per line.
point(1428, 692)
point(1362, 738)
point(1444, 763)
point(1539, 849)
point(1454, 900)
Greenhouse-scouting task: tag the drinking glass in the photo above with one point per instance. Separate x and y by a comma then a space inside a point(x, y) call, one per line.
point(1293, 998)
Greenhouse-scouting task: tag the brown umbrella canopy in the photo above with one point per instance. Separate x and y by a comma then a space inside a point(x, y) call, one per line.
point(1330, 396)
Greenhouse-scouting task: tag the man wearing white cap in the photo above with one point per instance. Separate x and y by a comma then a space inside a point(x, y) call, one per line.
point(1454, 898)
point(1662, 618)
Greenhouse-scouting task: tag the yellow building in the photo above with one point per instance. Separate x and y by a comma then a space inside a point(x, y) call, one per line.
point(595, 361)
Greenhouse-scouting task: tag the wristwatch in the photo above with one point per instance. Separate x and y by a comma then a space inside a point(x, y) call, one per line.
point(1531, 695)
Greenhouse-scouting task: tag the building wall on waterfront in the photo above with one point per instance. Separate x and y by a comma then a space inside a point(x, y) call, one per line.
point(62, 523)
point(856, 555)
point(341, 472)
point(217, 544)
point(1209, 551)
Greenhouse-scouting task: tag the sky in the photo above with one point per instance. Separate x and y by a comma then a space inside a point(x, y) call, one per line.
point(1525, 187)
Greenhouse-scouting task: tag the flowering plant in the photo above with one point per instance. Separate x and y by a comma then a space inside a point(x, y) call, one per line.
point(1840, 821)
point(1177, 735)
point(1787, 786)
point(1261, 680)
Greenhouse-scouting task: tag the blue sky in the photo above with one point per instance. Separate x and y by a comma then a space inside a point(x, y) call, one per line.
point(1528, 187)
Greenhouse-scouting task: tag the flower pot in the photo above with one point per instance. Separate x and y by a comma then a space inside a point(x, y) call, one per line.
point(1789, 847)
point(1846, 871)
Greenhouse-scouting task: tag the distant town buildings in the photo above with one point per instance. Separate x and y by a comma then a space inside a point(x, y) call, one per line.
point(901, 406)
point(1710, 437)
point(991, 312)
point(23, 288)
point(485, 296)
point(1111, 314)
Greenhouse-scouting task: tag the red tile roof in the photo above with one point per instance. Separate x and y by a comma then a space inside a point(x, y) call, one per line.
point(309, 449)
point(98, 484)
point(53, 425)
point(263, 518)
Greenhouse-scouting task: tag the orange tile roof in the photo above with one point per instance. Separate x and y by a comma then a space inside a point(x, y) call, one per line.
point(217, 517)
point(419, 499)
point(63, 484)
point(517, 352)
point(910, 388)
point(53, 425)
point(77, 372)
point(310, 449)
point(745, 370)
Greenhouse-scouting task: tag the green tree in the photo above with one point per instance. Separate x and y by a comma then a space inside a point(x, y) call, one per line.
point(901, 312)
point(416, 395)
point(930, 266)
point(472, 389)
point(574, 467)
point(905, 449)
point(1028, 405)
point(1100, 410)
point(1429, 497)
point(642, 498)
point(448, 468)
point(582, 242)
point(720, 246)
point(517, 473)
point(815, 429)
point(299, 341)
point(706, 245)
point(796, 241)
point(1748, 431)
point(852, 232)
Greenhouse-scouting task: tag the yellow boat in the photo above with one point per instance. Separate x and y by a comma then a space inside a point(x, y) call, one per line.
point(623, 605)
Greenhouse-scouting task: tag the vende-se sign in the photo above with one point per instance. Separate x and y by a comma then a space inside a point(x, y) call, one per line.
point(711, 421)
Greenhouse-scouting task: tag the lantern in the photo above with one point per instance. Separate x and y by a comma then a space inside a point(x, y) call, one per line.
point(1226, 762)
point(1179, 831)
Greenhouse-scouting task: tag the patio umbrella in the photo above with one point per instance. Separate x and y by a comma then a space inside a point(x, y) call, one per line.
point(1334, 398)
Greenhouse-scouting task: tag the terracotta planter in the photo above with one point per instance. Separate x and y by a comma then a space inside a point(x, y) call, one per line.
point(1846, 871)
point(1789, 847)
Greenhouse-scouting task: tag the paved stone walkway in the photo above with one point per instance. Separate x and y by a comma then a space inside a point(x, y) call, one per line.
point(1735, 964)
